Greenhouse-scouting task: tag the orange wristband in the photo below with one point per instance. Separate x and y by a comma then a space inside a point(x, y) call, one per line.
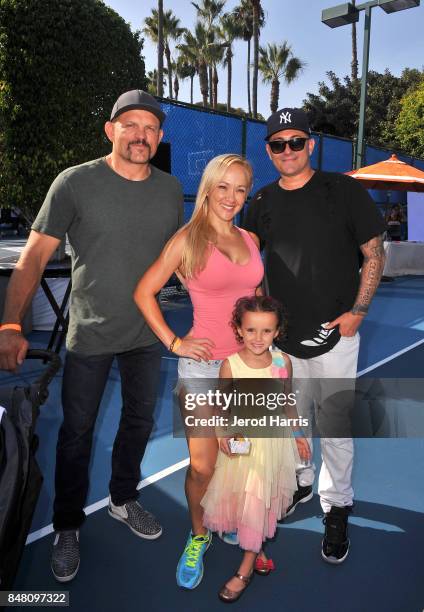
point(14, 326)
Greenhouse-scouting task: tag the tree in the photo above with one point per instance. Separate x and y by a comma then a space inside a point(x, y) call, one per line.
point(244, 16)
point(335, 109)
point(152, 82)
point(195, 48)
point(276, 62)
point(354, 64)
point(176, 82)
point(409, 126)
point(185, 69)
point(208, 12)
point(159, 74)
point(230, 29)
point(63, 63)
point(256, 6)
point(171, 31)
point(215, 55)
point(409, 80)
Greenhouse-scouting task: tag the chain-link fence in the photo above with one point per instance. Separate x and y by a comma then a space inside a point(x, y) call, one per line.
point(197, 135)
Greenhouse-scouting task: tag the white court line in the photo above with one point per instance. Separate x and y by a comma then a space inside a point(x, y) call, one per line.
point(36, 535)
point(16, 249)
point(391, 357)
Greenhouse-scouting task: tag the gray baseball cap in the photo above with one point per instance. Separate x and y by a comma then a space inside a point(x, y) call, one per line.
point(137, 98)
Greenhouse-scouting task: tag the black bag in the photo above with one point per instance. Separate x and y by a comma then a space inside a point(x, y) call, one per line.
point(20, 476)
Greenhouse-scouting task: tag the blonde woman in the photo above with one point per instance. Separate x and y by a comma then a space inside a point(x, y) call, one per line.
point(218, 263)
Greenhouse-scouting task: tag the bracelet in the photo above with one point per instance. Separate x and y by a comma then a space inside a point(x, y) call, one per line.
point(176, 342)
point(14, 326)
point(298, 433)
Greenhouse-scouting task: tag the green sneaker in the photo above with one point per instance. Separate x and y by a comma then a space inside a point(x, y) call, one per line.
point(190, 565)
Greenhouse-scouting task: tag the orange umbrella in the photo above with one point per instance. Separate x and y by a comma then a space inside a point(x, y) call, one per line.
point(391, 175)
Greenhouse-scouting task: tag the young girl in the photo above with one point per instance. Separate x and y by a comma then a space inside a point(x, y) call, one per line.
point(249, 493)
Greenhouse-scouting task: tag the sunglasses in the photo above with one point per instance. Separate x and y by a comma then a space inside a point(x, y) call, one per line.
point(295, 144)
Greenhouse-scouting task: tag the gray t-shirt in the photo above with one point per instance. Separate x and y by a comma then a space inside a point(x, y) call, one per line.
point(116, 229)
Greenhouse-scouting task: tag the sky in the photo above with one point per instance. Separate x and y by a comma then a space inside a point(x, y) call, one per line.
point(397, 42)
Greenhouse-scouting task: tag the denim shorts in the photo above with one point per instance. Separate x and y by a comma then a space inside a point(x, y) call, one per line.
point(190, 371)
point(196, 377)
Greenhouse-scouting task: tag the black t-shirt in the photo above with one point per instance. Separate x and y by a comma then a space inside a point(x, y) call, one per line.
point(311, 238)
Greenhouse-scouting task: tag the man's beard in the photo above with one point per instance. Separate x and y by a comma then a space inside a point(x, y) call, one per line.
point(143, 142)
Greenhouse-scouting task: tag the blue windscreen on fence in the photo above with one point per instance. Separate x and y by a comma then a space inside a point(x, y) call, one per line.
point(336, 154)
point(263, 170)
point(373, 155)
point(316, 153)
point(197, 135)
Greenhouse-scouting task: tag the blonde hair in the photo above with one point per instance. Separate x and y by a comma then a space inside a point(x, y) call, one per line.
point(199, 232)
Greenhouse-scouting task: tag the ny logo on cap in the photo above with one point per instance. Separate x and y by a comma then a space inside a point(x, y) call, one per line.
point(286, 117)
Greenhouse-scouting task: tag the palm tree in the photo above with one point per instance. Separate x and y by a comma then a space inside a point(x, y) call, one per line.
point(208, 12)
point(230, 29)
point(152, 82)
point(176, 82)
point(196, 49)
point(277, 62)
point(171, 31)
point(159, 74)
point(354, 51)
point(185, 69)
point(244, 16)
point(256, 6)
point(216, 55)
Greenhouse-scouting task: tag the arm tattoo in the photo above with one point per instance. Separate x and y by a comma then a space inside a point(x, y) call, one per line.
point(372, 269)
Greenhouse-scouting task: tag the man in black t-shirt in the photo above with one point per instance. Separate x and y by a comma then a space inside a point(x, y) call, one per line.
point(313, 226)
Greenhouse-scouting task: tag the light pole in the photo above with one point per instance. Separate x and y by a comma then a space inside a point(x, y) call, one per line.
point(345, 14)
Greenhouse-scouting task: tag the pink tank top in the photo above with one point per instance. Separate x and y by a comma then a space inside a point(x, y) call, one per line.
point(215, 290)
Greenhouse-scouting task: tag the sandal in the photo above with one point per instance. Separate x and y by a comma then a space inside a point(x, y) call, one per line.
point(263, 568)
point(228, 596)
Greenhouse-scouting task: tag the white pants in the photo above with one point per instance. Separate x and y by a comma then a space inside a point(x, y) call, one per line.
point(335, 479)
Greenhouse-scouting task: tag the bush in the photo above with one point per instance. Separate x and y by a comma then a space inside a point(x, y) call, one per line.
point(63, 63)
point(409, 126)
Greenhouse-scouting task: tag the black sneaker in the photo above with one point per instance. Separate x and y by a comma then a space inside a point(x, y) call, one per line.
point(335, 545)
point(65, 559)
point(302, 495)
point(140, 521)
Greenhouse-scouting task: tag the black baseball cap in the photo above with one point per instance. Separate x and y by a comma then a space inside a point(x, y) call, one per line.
point(137, 98)
point(287, 119)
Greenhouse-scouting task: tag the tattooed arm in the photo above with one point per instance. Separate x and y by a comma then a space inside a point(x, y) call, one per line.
point(372, 269)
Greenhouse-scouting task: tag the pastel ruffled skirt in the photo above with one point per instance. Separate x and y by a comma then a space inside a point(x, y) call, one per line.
point(250, 493)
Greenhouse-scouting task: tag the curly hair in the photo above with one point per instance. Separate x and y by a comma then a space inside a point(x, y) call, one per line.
point(258, 303)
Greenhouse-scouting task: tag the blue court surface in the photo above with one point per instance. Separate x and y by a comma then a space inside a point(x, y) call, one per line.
point(119, 571)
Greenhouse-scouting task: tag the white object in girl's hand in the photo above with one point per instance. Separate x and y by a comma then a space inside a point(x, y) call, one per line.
point(239, 446)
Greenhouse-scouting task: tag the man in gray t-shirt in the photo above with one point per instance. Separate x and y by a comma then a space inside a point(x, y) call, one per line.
point(118, 213)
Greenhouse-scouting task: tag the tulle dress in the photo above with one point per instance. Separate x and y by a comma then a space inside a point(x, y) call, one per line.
point(249, 493)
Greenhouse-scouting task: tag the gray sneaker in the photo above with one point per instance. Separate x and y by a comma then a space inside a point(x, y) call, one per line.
point(141, 522)
point(65, 559)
